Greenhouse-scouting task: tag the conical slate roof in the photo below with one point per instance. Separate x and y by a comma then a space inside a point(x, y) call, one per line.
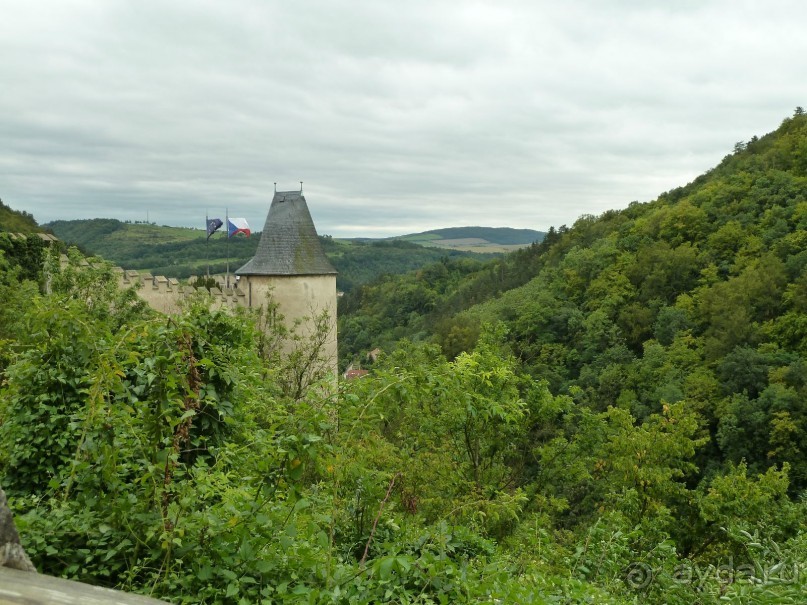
point(289, 244)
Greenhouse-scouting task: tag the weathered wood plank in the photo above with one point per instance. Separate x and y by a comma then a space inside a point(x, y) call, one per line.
point(26, 588)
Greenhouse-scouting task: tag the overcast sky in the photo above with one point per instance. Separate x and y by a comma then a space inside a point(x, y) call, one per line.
point(398, 116)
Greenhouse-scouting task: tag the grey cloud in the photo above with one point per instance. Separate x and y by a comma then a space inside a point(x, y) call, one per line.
point(510, 113)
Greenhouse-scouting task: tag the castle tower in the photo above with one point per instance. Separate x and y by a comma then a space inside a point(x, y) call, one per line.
point(290, 269)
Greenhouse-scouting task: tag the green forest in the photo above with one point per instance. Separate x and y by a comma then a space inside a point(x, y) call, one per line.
point(613, 415)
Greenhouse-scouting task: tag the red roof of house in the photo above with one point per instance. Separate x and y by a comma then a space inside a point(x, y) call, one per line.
point(351, 374)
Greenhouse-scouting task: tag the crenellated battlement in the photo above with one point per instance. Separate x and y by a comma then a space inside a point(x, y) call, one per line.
point(21, 237)
point(165, 294)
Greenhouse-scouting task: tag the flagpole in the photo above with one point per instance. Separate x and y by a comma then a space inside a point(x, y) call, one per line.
point(227, 228)
point(207, 243)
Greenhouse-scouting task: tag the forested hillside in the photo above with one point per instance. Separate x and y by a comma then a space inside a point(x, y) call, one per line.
point(477, 239)
point(614, 415)
point(414, 305)
point(699, 295)
point(495, 235)
point(171, 251)
point(689, 311)
point(359, 262)
point(181, 252)
point(15, 221)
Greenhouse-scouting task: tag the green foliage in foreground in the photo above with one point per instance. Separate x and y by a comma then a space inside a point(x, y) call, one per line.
point(164, 456)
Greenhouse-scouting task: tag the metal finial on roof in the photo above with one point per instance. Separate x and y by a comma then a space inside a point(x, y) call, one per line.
point(275, 187)
point(301, 186)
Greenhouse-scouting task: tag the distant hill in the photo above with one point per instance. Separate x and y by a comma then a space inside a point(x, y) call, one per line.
point(360, 262)
point(171, 251)
point(182, 252)
point(476, 239)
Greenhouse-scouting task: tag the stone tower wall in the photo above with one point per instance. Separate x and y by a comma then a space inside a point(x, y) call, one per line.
point(298, 298)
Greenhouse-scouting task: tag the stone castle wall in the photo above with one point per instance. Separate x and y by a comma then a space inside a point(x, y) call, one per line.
point(165, 294)
point(298, 299)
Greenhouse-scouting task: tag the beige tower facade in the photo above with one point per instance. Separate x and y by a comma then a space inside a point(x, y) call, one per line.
point(291, 272)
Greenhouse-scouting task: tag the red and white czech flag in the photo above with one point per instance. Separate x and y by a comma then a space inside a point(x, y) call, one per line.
point(236, 226)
